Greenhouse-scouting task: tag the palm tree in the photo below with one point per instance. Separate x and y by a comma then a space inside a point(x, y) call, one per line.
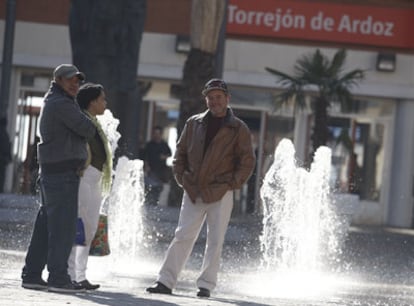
point(207, 18)
point(325, 82)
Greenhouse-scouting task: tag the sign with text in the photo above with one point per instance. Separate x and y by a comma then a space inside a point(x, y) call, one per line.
point(320, 21)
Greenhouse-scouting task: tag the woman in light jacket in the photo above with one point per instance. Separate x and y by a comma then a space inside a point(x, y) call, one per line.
point(94, 184)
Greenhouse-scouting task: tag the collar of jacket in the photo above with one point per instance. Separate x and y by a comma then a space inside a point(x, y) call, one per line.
point(229, 120)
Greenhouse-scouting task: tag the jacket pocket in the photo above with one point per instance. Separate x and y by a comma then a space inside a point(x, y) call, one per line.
point(223, 178)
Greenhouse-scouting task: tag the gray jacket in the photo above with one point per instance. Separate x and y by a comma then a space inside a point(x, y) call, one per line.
point(64, 130)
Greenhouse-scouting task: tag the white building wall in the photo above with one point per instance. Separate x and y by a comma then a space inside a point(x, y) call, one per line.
point(45, 46)
point(39, 45)
point(400, 214)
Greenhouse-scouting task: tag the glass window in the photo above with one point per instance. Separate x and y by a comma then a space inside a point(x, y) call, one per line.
point(357, 143)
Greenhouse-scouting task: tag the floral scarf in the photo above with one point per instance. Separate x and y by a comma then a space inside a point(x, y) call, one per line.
point(107, 167)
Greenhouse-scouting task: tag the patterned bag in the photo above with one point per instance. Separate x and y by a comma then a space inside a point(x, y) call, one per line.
point(100, 244)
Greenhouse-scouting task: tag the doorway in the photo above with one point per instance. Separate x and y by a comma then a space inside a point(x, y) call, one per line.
point(25, 139)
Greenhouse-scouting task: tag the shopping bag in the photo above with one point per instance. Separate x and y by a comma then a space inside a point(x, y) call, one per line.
point(100, 243)
point(80, 232)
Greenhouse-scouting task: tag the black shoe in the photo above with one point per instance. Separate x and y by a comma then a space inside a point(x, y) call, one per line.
point(71, 287)
point(34, 283)
point(203, 292)
point(87, 285)
point(159, 288)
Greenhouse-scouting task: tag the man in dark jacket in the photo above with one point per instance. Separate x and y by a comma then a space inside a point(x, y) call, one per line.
point(62, 153)
point(156, 152)
point(214, 157)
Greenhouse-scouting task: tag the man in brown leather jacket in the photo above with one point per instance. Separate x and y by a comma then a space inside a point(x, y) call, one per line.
point(214, 156)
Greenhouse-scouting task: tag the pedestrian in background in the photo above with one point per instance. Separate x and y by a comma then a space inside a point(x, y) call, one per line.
point(214, 157)
point(62, 153)
point(95, 182)
point(156, 171)
point(31, 167)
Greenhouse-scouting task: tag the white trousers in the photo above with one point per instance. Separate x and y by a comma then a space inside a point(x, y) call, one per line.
point(90, 198)
point(191, 220)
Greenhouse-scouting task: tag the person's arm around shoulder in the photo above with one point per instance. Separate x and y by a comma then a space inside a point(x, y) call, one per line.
point(75, 119)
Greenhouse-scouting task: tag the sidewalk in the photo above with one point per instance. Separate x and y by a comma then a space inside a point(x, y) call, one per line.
point(375, 268)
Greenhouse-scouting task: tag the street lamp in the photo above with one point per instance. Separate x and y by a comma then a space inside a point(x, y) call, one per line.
point(386, 62)
point(6, 64)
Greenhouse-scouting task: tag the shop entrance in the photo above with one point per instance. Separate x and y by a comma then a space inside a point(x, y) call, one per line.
point(361, 142)
point(25, 168)
point(357, 156)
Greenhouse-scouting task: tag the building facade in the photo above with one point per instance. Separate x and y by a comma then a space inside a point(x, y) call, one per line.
point(270, 33)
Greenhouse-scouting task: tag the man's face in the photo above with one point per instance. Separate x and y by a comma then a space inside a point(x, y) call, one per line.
point(70, 85)
point(156, 135)
point(217, 102)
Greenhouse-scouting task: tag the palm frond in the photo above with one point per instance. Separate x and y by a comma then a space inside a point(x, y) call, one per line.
point(301, 99)
point(286, 95)
point(312, 68)
point(283, 77)
point(292, 93)
point(352, 78)
point(337, 63)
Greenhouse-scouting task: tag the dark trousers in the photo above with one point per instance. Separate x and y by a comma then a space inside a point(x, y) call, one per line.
point(153, 188)
point(152, 194)
point(55, 228)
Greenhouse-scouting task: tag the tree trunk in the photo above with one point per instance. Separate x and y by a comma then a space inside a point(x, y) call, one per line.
point(106, 37)
point(198, 69)
point(206, 20)
point(320, 129)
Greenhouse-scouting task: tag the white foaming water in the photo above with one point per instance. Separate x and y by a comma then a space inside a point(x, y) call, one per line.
point(124, 212)
point(124, 204)
point(109, 126)
point(300, 225)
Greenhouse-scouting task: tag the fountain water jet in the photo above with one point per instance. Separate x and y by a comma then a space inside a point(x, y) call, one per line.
point(300, 226)
point(124, 204)
point(299, 222)
point(124, 212)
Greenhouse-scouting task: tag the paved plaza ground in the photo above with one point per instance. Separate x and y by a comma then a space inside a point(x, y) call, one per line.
point(375, 268)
